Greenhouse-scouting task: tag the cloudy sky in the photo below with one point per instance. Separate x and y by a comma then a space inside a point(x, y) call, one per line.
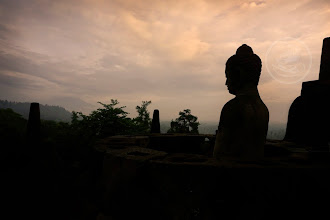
point(75, 53)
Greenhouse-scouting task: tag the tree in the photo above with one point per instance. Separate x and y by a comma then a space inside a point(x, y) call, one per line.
point(12, 135)
point(185, 123)
point(12, 126)
point(142, 121)
point(106, 121)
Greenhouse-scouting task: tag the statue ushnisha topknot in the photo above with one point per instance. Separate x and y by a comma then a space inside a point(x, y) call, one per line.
point(244, 50)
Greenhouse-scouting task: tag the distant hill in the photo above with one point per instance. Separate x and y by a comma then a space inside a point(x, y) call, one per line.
point(47, 112)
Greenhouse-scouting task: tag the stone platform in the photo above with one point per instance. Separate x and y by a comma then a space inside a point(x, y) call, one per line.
point(139, 182)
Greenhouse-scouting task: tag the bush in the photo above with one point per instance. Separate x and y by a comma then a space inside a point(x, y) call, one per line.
point(185, 123)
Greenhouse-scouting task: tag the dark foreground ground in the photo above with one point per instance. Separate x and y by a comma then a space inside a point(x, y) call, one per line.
point(167, 177)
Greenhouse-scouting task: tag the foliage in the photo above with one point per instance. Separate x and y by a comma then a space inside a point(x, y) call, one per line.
point(142, 122)
point(185, 123)
point(12, 135)
point(12, 125)
point(73, 141)
point(106, 121)
point(112, 120)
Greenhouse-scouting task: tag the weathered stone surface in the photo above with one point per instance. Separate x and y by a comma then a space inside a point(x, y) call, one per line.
point(294, 128)
point(122, 141)
point(177, 143)
point(172, 143)
point(149, 184)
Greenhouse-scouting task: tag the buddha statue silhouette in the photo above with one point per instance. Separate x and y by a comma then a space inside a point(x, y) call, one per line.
point(244, 120)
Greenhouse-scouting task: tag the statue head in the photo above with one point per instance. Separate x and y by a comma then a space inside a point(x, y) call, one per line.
point(242, 69)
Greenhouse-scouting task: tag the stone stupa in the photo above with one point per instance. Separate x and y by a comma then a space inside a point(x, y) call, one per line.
point(309, 114)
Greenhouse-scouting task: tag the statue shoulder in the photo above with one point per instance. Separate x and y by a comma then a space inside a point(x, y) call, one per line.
point(230, 109)
point(231, 105)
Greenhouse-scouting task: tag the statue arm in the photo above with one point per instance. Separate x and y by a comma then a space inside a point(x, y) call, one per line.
point(228, 128)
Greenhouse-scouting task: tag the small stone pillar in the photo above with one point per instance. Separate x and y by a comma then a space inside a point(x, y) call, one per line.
point(155, 125)
point(33, 126)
